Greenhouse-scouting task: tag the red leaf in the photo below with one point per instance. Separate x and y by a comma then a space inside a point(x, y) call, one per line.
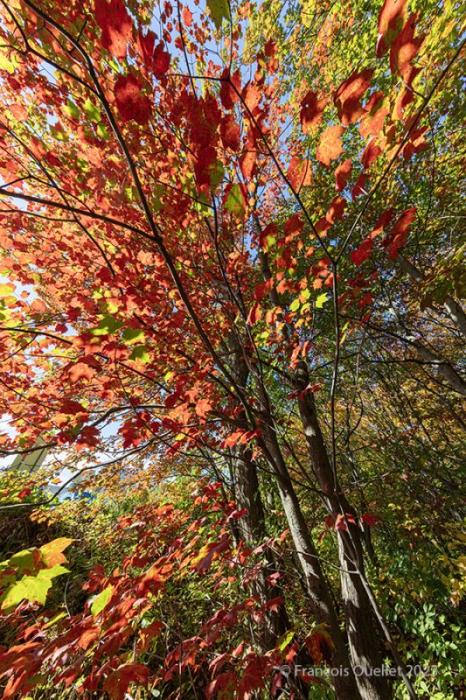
point(230, 132)
point(362, 252)
point(247, 163)
point(116, 26)
point(404, 49)
point(391, 18)
point(251, 96)
point(160, 60)
point(117, 683)
point(131, 102)
point(397, 238)
point(335, 210)
point(370, 519)
point(228, 95)
point(376, 111)
point(299, 173)
point(370, 154)
point(360, 186)
point(347, 98)
point(342, 174)
point(311, 111)
point(330, 145)
point(71, 407)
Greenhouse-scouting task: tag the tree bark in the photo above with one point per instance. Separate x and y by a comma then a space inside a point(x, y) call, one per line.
point(367, 649)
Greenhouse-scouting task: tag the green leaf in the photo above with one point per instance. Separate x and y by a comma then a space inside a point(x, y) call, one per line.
point(132, 335)
point(109, 324)
point(321, 299)
point(32, 588)
point(219, 10)
point(295, 304)
point(235, 201)
point(72, 110)
point(140, 353)
point(26, 560)
point(285, 640)
point(91, 111)
point(101, 600)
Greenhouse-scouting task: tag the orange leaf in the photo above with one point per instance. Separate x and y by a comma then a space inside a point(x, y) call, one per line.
point(347, 98)
point(342, 173)
point(391, 19)
point(115, 23)
point(330, 145)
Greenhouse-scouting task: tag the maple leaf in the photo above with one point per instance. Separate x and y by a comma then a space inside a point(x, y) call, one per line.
point(52, 552)
point(82, 370)
point(370, 519)
point(247, 163)
point(299, 173)
point(376, 110)
point(71, 407)
point(228, 94)
point(202, 408)
point(187, 16)
point(342, 174)
point(362, 252)
point(391, 17)
point(330, 145)
point(160, 60)
point(370, 154)
point(219, 10)
point(397, 237)
point(311, 111)
point(131, 102)
point(117, 683)
point(347, 98)
point(404, 49)
point(335, 210)
point(230, 132)
point(360, 186)
point(115, 23)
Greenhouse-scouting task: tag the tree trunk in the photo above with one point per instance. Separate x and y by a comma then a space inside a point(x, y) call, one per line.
point(367, 649)
point(317, 587)
point(251, 526)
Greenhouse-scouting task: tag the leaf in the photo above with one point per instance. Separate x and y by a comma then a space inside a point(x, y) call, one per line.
point(342, 174)
point(140, 354)
point(404, 49)
point(321, 299)
point(32, 588)
point(330, 145)
point(285, 640)
point(235, 202)
point(398, 236)
point(115, 24)
point(219, 11)
point(108, 325)
point(132, 104)
point(299, 173)
point(347, 98)
point(132, 335)
point(101, 600)
point(363, 252)
point(311, 112)
point(117, 683)
point(52, 552)
point(391, 19)
point(92, 111)
point(6, 290)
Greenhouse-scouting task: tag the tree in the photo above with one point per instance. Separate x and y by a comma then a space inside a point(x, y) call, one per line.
point(202, 245)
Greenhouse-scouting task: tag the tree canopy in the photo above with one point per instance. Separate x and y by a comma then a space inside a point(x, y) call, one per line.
point(231, 337)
